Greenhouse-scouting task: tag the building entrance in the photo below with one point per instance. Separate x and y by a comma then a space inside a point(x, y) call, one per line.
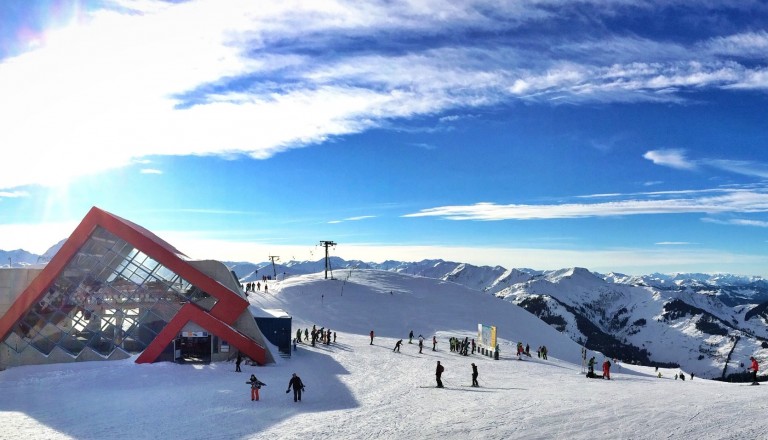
point(193, 347)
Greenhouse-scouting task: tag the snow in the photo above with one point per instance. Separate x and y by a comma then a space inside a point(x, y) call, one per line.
point(356, 390)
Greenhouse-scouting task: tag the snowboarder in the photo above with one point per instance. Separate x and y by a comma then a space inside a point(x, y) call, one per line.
point(591, 367)
point(410, 337)
point(607, 369)
point(297, 386)
point(544, 352)
point(397, 346)
point(474, 375)
point(438, 373)
point(754, 367)
point(256, 385)
point(434, 343)
point(371, 337)
point(238, 361)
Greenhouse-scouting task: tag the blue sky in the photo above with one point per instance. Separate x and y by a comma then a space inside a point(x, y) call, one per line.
point(617, 135)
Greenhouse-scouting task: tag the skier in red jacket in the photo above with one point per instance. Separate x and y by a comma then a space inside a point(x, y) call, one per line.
point(754, 369)
point(607, 369)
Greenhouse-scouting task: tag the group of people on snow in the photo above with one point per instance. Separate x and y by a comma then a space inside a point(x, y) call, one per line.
point(254, 287)
point(462, 347)
point(399, 343)
point(322, 335)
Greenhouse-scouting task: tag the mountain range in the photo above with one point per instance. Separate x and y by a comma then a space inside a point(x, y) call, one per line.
point(708, 324)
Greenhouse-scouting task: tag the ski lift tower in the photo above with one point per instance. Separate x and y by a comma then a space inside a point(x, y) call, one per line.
point(326, 244)
point(274, 270)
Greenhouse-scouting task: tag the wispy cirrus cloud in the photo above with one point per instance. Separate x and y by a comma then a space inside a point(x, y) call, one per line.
point(150, 171)
point(737, 222)
point(729, 202)
point(352, 219)
point(244, 79)
point(677, 158)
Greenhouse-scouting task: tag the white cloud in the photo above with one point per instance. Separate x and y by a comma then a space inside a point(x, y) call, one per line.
point(13, 194)
point(673, 158)
point(733, 201)
point(673, 243)
point(124, 86)
point(352, 219)
point(737, 222)
point(748, 44)
point(150, 171)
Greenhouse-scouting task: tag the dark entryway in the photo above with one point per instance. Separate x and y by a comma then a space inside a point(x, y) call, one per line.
point(193, 349)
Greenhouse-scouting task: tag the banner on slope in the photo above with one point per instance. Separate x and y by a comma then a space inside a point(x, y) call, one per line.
point(486, 335)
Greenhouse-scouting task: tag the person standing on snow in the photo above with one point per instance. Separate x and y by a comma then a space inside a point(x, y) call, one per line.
point(438, 374)
point(238, 361)
point(410, 337)
point(591, 367)
point(421, 343)
point(474, 375)
point(434, 343)
point(297, 386)
point(256, 385)
point(397, 346)
point(754, 367)
point(607, 369)
point(371, 337)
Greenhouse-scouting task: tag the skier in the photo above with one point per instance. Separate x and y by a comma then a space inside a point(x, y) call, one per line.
point(434, 343)
point(607, 369)
point(754, 367)
point(238, 361)
point(256, 385)
point(297, 385)
point(438, 373)
point(421, 343)
point(371, 337)
point(410, 337)
point(474, 375)
point(397, 346)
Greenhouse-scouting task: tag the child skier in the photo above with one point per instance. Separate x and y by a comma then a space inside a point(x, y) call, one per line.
point(256, 385)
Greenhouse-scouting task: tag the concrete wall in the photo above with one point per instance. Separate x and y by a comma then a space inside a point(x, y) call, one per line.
point(12, 282)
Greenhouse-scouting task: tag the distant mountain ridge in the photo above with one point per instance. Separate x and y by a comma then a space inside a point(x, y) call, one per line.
point(708, 324)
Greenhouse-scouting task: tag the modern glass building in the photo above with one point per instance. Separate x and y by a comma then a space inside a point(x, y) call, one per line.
point(115, 290)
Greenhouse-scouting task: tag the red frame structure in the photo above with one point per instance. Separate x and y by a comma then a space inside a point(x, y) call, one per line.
point(219, 321)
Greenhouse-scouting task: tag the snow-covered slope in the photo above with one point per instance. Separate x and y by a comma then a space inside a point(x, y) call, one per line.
point(642, 323)
point(355, 390)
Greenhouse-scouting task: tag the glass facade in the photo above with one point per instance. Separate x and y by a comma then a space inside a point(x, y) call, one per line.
point(109, 296)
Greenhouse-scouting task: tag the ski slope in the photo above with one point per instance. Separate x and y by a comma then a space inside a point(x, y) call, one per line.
point(355, 390)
